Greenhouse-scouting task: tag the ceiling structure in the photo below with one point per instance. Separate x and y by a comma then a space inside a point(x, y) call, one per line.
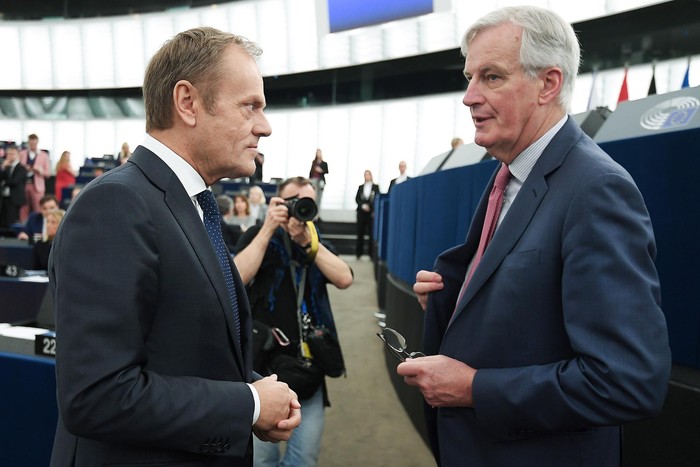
point(659, 32)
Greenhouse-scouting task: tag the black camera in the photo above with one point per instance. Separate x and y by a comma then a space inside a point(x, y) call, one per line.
point(304, 209)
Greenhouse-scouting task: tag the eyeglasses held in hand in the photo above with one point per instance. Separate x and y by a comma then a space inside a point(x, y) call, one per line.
point(397, 344)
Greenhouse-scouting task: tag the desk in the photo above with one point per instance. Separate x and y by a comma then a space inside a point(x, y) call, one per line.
point(17, 252)
point(21, 297)
point(28, 409)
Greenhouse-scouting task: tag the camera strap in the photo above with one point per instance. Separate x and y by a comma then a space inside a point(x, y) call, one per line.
point(314, 242)
point(298, 275)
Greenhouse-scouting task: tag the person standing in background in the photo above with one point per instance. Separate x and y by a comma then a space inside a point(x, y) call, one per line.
point(124, 154)
point(65, 175)
point(317, 175)
point(12, 194)
point(543, 332)
point(401, 178)
point(155, 361)
point(257, 176)
point(365, 213)
point(38, 167)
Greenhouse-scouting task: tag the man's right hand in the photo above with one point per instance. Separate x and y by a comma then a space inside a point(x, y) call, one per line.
point(280, 411)
point(426, 282)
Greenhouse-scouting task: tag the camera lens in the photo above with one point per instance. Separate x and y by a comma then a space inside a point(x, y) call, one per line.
point(304, 209)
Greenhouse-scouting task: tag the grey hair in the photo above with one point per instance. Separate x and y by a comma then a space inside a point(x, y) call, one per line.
point(225, 204)
point(547, 41)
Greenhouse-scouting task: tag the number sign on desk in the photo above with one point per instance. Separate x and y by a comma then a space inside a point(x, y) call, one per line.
point(45, 344)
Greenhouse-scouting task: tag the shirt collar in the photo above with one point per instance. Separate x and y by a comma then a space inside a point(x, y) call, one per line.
point(188, 176)
point(521, 167)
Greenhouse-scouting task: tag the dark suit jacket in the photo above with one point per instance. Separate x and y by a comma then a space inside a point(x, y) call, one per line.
point(360, 197)
point(324, 170)
point(393, 182)
point(149, 370)
point(16, 181)
point(34, 225)
point(561, 319)
point(231, 233)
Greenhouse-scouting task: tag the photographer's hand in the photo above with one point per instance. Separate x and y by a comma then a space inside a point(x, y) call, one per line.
point(298, 231)
point(249, 259)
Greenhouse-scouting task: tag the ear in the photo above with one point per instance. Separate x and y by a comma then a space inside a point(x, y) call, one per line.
point(186, 102)
point(551, 84)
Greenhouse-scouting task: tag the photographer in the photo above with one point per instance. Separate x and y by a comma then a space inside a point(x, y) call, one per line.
point(276, 260)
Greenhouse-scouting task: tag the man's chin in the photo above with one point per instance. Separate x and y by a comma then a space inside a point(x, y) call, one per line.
point(482, 140)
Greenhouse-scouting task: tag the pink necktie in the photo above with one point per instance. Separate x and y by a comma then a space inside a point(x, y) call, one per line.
point(493, 210)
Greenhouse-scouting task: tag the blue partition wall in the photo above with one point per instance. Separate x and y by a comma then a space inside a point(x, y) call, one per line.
point(663, 167)
point(430, 214)
point(656, 139)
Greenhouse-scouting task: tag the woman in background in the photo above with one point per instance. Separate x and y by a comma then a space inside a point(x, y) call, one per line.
point(43, 248)
point(317, 175)
point(65, 175)
point(241, 213)
point(365, 213)
point(258, 203)
point(124, 154)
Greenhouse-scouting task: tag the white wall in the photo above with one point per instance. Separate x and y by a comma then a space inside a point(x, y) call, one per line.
point(374, 136)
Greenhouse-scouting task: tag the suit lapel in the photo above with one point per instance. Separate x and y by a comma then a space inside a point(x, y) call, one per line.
point(185, 214)
point(519, 214)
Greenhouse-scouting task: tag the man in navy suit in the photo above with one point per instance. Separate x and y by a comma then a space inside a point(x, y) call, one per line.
point(152, 369)
point(558, 337)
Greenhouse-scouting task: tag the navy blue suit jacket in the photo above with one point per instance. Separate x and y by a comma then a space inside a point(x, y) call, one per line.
point(561, 319)
point(34, 225)
point(149, 370)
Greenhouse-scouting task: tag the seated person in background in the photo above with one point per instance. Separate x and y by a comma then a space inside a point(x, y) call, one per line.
point(65, 202)
point(241, 213)
point(230, 232)
point(258, 206)
point(124, 154)
point(43, 248)
point(34, 229)
point(65, 175)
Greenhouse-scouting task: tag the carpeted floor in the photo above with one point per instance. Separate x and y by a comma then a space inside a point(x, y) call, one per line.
point(366, 425)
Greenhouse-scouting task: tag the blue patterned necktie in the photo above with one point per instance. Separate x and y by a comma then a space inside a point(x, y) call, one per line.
point(212, 221)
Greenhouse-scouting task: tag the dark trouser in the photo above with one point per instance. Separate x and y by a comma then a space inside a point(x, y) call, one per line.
point(364, 225)
point(9, 213)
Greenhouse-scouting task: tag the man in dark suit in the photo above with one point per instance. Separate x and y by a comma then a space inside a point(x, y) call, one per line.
point(12, 178)
point(539, 349)
point(365, 213)
point(401, 178)
point(154, 365)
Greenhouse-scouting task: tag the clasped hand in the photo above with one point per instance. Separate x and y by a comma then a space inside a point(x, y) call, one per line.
point(280, 410)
